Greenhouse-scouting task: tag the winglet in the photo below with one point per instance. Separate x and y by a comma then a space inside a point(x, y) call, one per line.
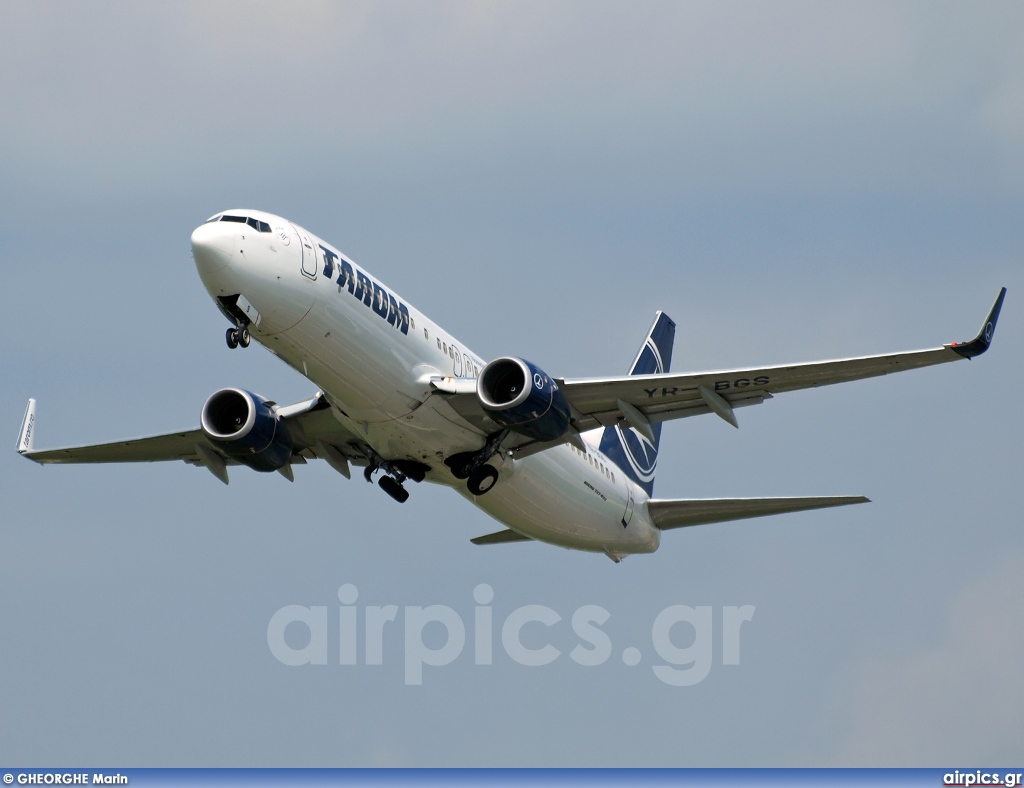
point(981, 343)
point(26, 438)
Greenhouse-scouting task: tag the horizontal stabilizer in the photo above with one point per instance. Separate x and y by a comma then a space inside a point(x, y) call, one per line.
point(508, 535)
point(668, 514)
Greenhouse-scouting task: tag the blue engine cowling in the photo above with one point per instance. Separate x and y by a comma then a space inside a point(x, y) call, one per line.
point(523, 398)
point(242, 426)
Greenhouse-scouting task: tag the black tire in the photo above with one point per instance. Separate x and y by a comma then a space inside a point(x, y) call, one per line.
point(411, 469)
point(482, 480)
point(393, 488)
point(461, 464)
point(458, 466)
point(243, 337)
point(232, 338)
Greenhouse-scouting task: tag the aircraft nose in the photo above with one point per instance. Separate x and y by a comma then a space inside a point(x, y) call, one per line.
point(212, 248)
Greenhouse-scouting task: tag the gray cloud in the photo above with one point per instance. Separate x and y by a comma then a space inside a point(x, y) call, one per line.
point(950, 701)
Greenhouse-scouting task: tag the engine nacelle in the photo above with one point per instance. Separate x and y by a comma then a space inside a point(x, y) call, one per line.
point(523, 398)
point(242, 426)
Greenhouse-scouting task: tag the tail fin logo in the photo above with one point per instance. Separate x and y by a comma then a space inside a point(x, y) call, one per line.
point(648, 360)
point(634, 454)
point(641, 453)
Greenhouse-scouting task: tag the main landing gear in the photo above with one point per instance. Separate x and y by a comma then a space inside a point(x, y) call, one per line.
point(395, 473)
point(482, 479)
point(393, 488)
point(237, 336)
point(472, 465)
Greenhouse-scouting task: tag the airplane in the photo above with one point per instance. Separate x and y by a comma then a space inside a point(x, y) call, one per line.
point(569, 462)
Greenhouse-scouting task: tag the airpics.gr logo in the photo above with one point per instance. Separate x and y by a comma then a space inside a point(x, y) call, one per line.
point(979, 777)
point(299, 635)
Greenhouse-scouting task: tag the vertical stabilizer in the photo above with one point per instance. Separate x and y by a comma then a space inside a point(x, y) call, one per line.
point(636, 454)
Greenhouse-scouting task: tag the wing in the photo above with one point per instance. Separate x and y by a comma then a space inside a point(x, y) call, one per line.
point(639, 401)
point(668, 514)
point(643, 399)
point(316, 433)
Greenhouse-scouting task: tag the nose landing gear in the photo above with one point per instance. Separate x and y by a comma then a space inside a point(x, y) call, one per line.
point(237, 336)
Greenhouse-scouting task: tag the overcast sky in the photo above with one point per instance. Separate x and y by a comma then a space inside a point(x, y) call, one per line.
point(789, 181)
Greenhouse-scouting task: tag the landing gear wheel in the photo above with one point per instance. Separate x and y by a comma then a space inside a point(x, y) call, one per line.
point(393, 488)
point(460, 464)
point(482, 479)
point(232, 338)
point(416, 471)
point(243, 336)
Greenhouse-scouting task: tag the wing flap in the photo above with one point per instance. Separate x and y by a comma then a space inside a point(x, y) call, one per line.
point(678, 395)
point(667, 514)
point(158, 448)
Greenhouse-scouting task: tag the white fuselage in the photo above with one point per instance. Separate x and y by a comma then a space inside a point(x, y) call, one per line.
point(377, 373)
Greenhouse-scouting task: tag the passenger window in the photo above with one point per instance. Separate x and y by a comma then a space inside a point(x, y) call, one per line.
point(438, 342)
point(425, 334)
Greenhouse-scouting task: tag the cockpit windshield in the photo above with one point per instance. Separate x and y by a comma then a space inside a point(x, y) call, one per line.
point(256, 224)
